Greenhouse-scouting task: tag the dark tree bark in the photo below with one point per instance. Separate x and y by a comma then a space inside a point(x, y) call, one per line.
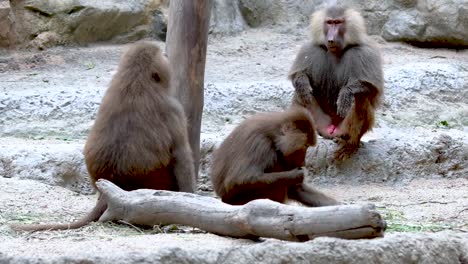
point(186, 44)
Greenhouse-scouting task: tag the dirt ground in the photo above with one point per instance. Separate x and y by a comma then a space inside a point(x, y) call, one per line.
point(48, 100)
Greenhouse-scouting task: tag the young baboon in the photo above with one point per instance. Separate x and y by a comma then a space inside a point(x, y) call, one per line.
point(338, 76)
point(139, 139)
point(262, 158)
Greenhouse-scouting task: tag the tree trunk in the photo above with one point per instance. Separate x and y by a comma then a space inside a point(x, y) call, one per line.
point(186, 45)
point(258, 218)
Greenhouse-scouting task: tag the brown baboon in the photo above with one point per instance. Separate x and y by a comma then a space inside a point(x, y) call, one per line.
point(338, 77)
point(262, 158)
point(139, 139)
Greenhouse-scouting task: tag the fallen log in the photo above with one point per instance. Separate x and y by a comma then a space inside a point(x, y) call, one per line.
point(258, 218)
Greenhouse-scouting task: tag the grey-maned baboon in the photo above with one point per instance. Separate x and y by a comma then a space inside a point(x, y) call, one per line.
point(338, 76)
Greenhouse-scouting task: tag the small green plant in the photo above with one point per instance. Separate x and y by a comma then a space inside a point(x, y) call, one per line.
point(90, 66)
point(444, 123)
point(63, 139)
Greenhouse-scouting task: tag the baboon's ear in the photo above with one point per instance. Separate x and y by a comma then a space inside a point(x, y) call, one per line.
point(156, 77)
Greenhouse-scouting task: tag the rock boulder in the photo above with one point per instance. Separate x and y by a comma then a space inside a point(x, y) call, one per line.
point(54, 22)
point(427, 23)
point(7, 36)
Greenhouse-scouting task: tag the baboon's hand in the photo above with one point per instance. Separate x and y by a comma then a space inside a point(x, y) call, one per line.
point(345, 101)
point(358, 89)
point(303, 89)
point(298, 175)
point(362, 88)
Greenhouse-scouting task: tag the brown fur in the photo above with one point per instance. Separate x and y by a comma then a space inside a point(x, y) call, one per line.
point(139, 139)
point(262, 157)
point(342, 86)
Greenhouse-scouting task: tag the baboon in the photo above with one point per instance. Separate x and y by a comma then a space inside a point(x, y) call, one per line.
point(338, 77)
point(139, 139)
point(262, 158)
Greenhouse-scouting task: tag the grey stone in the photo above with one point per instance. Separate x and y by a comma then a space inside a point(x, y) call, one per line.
point(438, 248)
point(159, 25)
point(404, 25)
point(257, 13)
point(226, 17)
point(45, 40)
point(430, 23)
point(7, 34)
point(282, 12)
point(427, 23)
point(79, 21)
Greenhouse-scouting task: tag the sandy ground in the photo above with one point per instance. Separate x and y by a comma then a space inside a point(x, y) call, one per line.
point(254, 63)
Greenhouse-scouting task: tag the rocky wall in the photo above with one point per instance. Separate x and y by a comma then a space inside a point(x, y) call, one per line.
point(44, 23)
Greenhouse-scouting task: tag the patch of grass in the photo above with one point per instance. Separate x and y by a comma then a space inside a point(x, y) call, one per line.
point(397, 222)
point(415, 227)
point(391, 214)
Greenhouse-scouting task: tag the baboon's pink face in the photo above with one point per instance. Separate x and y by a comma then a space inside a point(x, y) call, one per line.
point(334, 30)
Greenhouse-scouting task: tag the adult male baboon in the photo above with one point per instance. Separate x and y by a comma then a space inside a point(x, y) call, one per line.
point(139, 139)
point(338, 77)
point(262, 157)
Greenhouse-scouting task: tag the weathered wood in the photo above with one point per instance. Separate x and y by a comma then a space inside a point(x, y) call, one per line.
point(186, 45)
point(258, 218)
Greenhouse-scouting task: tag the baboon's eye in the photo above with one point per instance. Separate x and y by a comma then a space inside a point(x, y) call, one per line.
point(156, 77)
